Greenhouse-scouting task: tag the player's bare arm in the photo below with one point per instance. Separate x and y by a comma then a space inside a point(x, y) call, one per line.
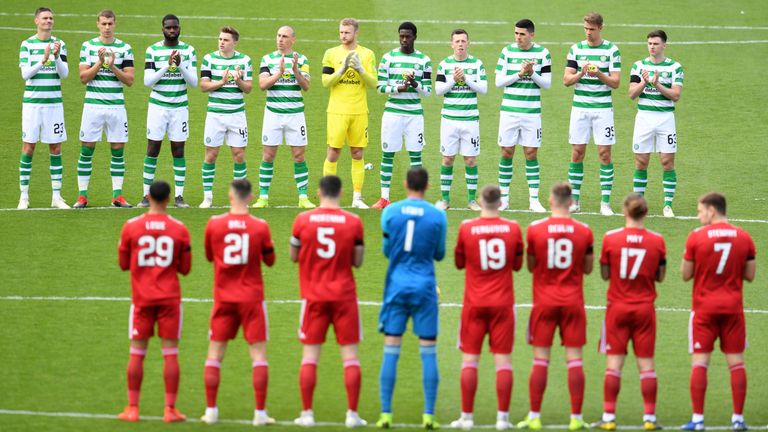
point(531, 262)
point(87, 73)
point(589, 262)
point(750, 268)
point(686, 270)
point(357, 261)
point(266, 81)
point(301, 79)
point(605, 271)
point(661, 272)
point(208, 85)
point(572, 75)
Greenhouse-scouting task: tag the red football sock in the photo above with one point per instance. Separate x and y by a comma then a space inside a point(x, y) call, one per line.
point(468, 386)
point(611, 387)
point(260, 381)
point(537, 383)
point(648, 387)
point(135, 374)
point(503, 387)
point(738, 387)
point(211, 376)
point(576, 385)
point(307, 380)
point(171, 375)
point(352, 381)
point(698, 387)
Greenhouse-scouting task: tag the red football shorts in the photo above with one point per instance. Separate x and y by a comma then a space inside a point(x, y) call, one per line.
point(704, 328)
point(315, 317)
point(226, 319)
point(141, 321)
point(570, 319)
point(497, 322)
point(625, 322)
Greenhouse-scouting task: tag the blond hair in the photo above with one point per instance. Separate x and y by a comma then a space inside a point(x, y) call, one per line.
point(350, 22)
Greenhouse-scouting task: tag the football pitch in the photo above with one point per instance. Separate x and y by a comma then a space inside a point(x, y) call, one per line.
point(64, 303)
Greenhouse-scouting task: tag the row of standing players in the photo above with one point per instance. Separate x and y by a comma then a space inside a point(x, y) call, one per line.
point(327, 243)
point(405, 74)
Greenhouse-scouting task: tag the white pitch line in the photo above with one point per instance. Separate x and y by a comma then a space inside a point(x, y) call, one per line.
point(101, 416)
point(739, 220)
point(398, 21)
point(292, 302)
point(395, 42)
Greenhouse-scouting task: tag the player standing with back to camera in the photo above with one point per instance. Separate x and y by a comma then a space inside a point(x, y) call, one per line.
point(226, 75)
point(327, 242)
point(106, 65)
point(719, 257)
point(237, 243)
point(656, 82)
point(559, 255)
point(633, 259)
point(414, 238)
point(155, 247)
point(594, 69)
point(170, 66)
point(490, 248)
point(43, 64)
point(284, 75)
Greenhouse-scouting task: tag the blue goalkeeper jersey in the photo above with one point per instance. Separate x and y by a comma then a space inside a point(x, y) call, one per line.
point(414, 237)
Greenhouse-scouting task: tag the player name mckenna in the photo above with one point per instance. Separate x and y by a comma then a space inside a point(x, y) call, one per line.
point(339, 219)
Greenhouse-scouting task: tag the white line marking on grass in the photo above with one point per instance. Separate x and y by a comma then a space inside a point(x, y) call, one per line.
point(394, 42)
point(291, 302)
point(101, 416)
point(398, 21)
point(740, 220)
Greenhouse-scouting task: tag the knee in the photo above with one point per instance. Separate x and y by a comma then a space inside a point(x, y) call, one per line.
point(153, 148)
point(605, 155)
point(507, 152)
point(54, 149)
point(577, 154)
point(357, 152)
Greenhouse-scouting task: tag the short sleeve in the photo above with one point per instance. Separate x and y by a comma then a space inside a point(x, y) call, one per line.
point(128, 53)
point(501, 64)
point(63, 49)
point(547, 59)
point(615, 64)
point(635, 71)
point(248, 74)
point(206, 64)
point(124, 245)
point(530, 240)
point(571, 56)
point(85, 54)
point(690, 247)
point(304, 66)
point(679, 75)
point(193, 57)
point(481, 72)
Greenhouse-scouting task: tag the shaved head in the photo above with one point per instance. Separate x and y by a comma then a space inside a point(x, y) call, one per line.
point(287, 29)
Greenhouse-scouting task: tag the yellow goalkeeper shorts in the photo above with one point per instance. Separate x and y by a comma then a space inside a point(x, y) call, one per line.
point(352, 128)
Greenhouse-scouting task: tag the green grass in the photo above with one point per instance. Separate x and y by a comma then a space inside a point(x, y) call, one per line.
point(70, 356)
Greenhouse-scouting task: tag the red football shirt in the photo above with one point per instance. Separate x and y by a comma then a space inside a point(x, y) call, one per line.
point(155, 247)
point(559, 246)
point(719, 253)
point(237, 244)
point(490, 249)
point(634, 256)
point(326, 239)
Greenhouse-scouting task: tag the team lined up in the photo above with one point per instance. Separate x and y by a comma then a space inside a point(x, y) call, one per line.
point(327, 242)
point(404, 74)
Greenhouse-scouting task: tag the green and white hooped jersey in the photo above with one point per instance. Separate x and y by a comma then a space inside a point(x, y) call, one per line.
point(590, 92)
point(44, 88)
point(523, 96)
point(171, 90)
point(284, 97)
point(105, 88)
point(460, 102)
point(390, 76)
point(229, 98)
point(670, 73)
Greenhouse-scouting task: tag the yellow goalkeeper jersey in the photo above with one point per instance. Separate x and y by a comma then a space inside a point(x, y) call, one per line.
point(349, 95)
